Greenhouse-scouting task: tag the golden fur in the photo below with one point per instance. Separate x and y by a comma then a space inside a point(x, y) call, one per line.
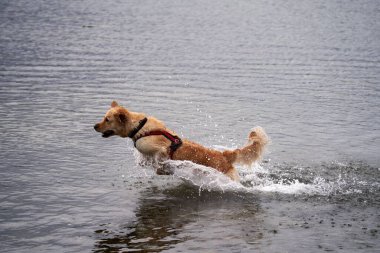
point(119, 121)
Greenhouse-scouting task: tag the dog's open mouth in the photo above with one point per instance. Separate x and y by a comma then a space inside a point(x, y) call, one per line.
point(108, 133)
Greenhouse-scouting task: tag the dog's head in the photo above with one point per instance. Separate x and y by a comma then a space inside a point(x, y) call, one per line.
point(117, 121)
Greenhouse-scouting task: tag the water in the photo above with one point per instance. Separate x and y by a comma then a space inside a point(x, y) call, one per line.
point(308, 72)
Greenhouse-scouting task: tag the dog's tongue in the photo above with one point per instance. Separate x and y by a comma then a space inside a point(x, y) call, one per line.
point(108, 133)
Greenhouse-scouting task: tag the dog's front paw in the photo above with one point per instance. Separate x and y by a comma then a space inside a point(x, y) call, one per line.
point(164, 169)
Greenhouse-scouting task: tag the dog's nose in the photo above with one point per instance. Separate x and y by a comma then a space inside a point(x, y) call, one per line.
point(96, 127)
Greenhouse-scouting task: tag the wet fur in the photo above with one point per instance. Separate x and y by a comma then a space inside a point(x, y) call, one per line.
point(119, 121)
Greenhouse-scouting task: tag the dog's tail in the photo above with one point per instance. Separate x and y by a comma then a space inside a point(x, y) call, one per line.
point(252, 151)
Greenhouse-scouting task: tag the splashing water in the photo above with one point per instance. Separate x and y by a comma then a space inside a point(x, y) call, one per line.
point(324, 180)
point(205, 177)
point(253, 179)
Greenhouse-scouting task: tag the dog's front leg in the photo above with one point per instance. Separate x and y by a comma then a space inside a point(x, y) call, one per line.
point(161, 166)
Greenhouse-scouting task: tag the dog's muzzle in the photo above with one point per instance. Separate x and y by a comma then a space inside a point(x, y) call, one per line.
point(108, 133)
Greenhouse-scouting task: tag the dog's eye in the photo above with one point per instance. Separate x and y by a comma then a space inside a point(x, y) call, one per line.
point(107, 120)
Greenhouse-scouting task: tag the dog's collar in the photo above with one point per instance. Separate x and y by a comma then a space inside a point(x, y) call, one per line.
point(138, 128)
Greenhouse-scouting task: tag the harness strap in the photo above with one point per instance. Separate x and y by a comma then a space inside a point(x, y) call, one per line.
point(176, 141)
point(138, 128)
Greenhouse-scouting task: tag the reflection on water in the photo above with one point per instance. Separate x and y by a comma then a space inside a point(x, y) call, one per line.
point(175, 215)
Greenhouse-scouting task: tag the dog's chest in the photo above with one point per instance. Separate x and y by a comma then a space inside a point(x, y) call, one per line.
point(151, 145)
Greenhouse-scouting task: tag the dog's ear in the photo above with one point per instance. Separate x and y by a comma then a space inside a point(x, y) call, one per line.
point(122, 118)
point(114, 104)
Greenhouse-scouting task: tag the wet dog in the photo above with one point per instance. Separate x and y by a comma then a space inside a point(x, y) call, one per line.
point(153, 139)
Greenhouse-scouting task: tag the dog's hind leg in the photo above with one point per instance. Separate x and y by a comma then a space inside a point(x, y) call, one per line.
point(233, 174)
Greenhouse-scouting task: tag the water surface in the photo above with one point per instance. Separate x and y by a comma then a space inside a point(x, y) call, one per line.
point(308, 72)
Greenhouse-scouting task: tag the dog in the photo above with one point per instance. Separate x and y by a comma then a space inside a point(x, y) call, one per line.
point(153, 139)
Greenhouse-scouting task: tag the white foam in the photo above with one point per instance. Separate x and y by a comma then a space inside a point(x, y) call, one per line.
point(202, 176)
point(253, 179)
point(295, 188)
point(257, 177)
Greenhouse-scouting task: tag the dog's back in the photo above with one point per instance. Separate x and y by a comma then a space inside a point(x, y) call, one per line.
point(199, 154)
point(223, 161)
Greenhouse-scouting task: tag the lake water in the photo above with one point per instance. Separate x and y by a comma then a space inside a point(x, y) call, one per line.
point(306, 71)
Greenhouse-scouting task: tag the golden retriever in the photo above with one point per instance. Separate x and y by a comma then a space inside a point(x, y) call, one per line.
point(153, 139)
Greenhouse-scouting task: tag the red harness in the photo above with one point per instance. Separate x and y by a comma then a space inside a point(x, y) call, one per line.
point(176, 141)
